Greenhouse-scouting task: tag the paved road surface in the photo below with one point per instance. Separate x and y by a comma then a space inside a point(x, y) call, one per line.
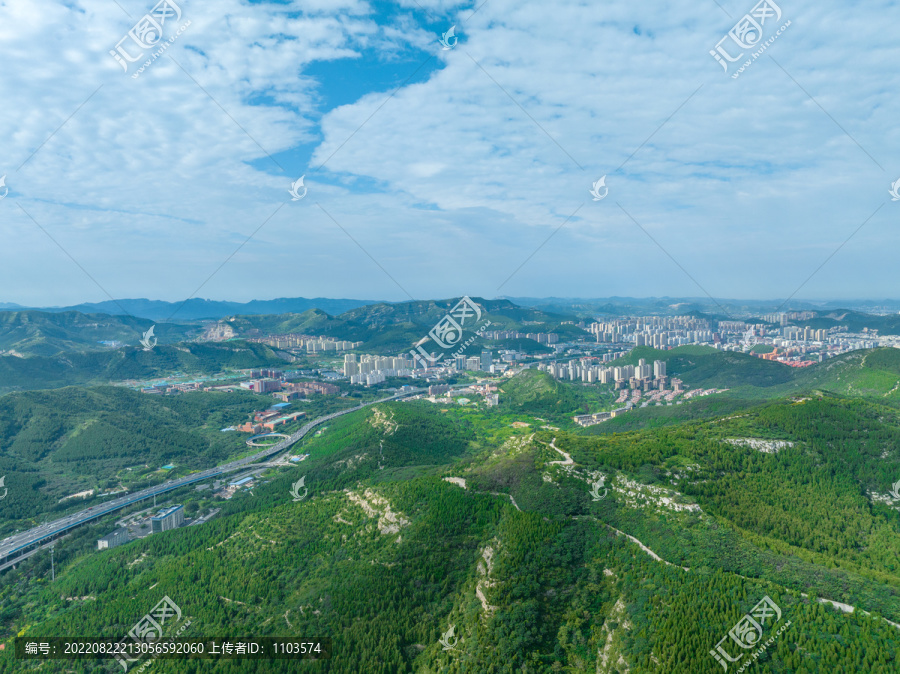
point(25, 539)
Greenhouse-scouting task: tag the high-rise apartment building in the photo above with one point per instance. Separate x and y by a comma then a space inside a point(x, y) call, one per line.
point(659, 368)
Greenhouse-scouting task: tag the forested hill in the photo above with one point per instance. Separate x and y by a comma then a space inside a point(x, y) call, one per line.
point(393, 328)
point(42, 333)
point(95, 367)
point(57, 443)
point(446, 539)
point(386, 328)
point(536, 392)
point(76, 440)
point(870, 372)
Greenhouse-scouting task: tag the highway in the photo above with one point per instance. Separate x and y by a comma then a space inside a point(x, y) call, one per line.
point(25, 539)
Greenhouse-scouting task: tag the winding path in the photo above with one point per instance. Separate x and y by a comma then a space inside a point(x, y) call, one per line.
point(846, 608)
point(566, 456)
point(512, 500)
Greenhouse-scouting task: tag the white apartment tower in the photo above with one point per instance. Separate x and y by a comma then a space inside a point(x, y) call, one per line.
point(659, 368)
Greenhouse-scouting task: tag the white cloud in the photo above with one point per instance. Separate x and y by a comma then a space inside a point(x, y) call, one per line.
point(450, 185)
point(749, 185)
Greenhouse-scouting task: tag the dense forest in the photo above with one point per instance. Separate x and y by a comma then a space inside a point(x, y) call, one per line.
point(131, 362)
point(60, 442)
point(866, 373)
point(522, 562)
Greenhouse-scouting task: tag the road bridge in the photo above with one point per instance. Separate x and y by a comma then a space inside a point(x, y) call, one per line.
point(13, 548)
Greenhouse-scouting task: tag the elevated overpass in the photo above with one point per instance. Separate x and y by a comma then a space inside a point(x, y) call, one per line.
point(14, 548)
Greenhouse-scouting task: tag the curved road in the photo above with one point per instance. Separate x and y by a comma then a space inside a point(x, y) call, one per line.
point(35, 536)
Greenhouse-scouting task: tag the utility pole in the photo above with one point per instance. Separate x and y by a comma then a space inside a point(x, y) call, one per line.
point(52, 563)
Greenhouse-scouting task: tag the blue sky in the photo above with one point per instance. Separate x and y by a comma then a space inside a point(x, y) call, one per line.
point(436, 172)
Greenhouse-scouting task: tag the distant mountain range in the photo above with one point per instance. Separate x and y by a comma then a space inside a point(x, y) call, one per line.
point(394, 328)
point(199, 309)
point(196, 309)
point(385, 328)
point(721, 307)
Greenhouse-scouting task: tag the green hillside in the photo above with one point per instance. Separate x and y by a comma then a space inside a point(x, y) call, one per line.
point(47, 334)
point(853, 321)
point(536, 392)
point(312, 322)
point(706, 367)
point(465, 538)
point(428, 312)
point(520, 568)
point(394, 328)
point(56, 443)
point(93, 367)
point(873, 372)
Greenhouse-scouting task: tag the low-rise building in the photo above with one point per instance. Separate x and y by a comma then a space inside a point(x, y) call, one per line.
point(591, 419)
point(262, 385)
point(287, 418)
point(250, 427)
point(114, 539)
point(304, 389)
